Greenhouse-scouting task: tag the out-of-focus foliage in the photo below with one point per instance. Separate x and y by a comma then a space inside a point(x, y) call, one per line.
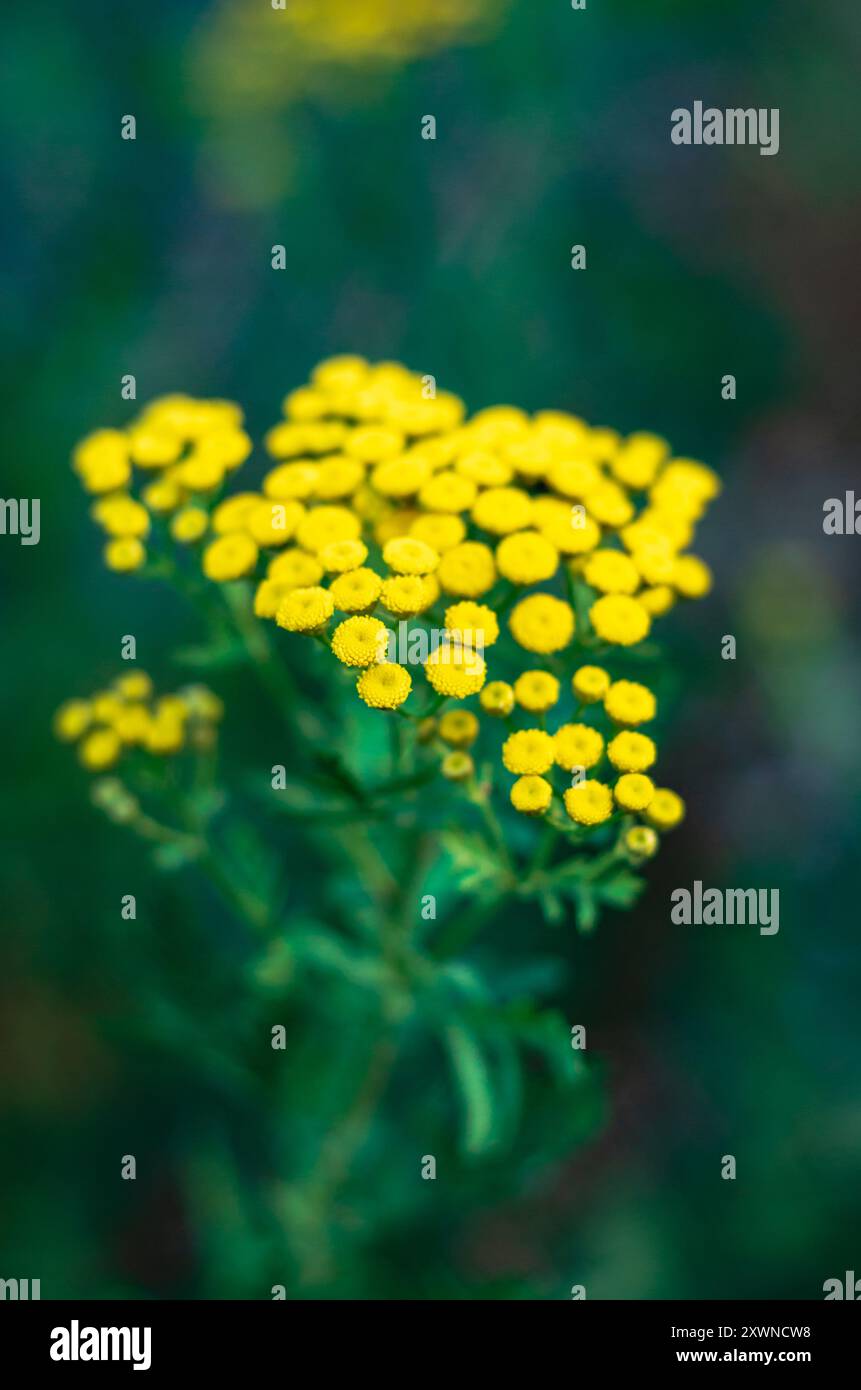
point(153, 257)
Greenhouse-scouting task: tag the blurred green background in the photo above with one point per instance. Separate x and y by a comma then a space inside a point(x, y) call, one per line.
point(153, 257)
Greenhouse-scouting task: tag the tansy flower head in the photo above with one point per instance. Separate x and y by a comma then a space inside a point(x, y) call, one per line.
point(439, 530)
point(273, 523)
point(406, 555)
point(385, 686)
point(631, 752)
point(612, 572)
point(641, 842)
point(360, 641)
point(134, 685)
point(473, 624)
point(405, 595)
point(188, 525)
point(497, 698)
point(691, 577)
point(577, 745)
point(357, 591)
point(305, 610)
point(458, 727)
point(457, 766)
point(295, 569)
point(628, 702)
point(620, 620)
point(342, 556)
point(293, 482)
point(447, 492)
point(527, 558)
point(72, 719)
point(665, 810)
point(501, 510)
point(590, 684)
point(232, 514)
point(529, 751)
point(455, 670)
point(542, 623)
point(467, 570)
point(531, 795)
point(633, 791)
point(229, 557)
point(125, 554)
point(323, 525)
point(100, 749)
point(120, 515)
point(536, 691)
point(589, 803)
point(657, 601)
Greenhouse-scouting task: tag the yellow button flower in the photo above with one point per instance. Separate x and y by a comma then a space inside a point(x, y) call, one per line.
point(612, 572)
point(657, 601)
point(633, 791)
point(290, 482)
point(274, 523)
point(439, 530)
point(134, 685)
point(189, 525)
point(569, 528)
point(459, 728)
point(619, 619)
point(457, 766)
point(590, 684)
point(406, 555)
point(322, 526)
point(295, 568)
point(529, 751)
point(229, 557)
point(531, 795)
point(691, 576)
point(467, 570)
point(405, 595)
point(447, 492)
point(342, 556)
point(123, 516)
point(162, 496)
point(232, 514)
point(338, 477)
point(641, 842)
point(385, 686)
point(589, 803)
point(665, 810)
point(473, 624)
point(360, 641)
point(527, 558)
point(455, 670)
point(72, 719)
point(502, 510)
point(357, 591)
point(577, 745)
point(305, 610)
point(628, 702)
point(100, 749)
point(536, 691)
point(542, 623)
point(125, 554)
point(631, 752)
point(497, 699)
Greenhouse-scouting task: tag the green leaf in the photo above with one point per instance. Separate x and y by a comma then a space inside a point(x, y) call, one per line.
point(475, 1086)
point(477, 869)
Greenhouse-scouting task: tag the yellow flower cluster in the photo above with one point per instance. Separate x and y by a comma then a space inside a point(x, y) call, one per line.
point(578, 748)
point(127, 716)
point(514, 544)
point(169, 463)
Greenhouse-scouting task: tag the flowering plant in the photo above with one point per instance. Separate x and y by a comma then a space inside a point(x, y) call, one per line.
point(453, 617)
